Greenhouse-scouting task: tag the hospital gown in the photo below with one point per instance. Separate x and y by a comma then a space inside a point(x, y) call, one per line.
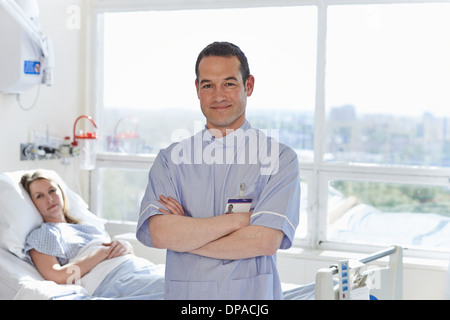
point(135, 278)
point(202, 173)
point(63, 240)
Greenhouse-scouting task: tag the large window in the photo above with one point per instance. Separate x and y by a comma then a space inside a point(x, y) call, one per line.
point(359, 91)
point(386, 213)
point(388, 74)
point(387, 70)
point(149, 96)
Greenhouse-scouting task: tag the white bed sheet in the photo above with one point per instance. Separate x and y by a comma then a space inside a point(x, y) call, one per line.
point(13, 271)
point(20, 280)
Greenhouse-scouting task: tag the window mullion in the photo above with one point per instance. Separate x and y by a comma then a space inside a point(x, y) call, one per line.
point(317, 213)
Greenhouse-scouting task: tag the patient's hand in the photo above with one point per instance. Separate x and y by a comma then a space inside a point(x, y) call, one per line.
point(172, 205)
point(117, 248)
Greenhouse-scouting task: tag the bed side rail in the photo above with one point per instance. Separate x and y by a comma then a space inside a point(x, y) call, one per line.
point(385, 283)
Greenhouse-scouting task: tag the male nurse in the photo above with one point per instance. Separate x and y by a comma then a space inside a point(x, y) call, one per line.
point(225, 200)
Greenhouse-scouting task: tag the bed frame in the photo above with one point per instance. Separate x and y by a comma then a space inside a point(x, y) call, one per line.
point(385, 282)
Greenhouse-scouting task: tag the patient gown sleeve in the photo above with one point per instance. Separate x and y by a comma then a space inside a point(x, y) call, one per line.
point(279, 201)
point(159, 183)
point(63, 240)
point(48, 240)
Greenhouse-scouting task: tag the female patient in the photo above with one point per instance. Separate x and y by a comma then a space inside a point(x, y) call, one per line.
point(60, 237)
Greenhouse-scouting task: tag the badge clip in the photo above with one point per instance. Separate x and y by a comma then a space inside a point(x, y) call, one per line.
point(240, 204)
point(242, 190)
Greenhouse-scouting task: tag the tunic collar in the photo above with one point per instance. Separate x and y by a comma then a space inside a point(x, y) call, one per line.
point(229, 138)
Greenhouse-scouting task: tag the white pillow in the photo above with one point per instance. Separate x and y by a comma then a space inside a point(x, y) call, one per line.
point(19, 216)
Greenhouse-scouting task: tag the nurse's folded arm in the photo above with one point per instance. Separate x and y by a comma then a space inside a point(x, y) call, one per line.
point(185, 234)
point(248, 242)
point(172, 205)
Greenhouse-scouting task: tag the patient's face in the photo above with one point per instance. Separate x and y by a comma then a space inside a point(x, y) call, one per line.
point(48, 199)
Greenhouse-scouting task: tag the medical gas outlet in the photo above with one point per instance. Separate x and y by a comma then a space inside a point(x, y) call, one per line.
point(31, 151)
point(83, 147)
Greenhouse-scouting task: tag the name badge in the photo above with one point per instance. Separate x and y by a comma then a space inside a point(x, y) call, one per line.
point(238, 205)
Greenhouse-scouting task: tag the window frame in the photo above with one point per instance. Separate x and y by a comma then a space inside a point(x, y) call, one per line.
point(318, 173)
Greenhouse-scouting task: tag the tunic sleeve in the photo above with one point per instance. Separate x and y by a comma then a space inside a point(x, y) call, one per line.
point(279, 202)
point(159, 183)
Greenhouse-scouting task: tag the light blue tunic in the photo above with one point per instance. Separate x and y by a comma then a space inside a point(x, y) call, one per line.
point(202, 173)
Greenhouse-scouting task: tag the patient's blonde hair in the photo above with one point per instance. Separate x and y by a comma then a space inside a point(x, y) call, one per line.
point(28, 179)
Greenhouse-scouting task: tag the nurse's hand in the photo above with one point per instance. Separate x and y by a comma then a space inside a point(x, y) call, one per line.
point(172, 205)
point(245, 218)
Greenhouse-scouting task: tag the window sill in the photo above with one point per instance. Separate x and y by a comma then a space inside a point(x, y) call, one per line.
point(435, 264)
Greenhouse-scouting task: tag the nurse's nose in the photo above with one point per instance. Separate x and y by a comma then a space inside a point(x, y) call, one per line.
point(219, 95)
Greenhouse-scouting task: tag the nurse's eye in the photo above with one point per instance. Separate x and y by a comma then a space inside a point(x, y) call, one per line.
point(230, 84)
point(207, 86)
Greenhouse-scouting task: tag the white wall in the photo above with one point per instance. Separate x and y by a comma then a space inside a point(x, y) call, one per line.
point(59, 105)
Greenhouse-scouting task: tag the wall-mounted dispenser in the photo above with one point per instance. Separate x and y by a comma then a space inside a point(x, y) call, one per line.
point(26, 55)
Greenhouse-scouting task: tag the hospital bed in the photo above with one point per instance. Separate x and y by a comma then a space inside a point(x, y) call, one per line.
point(351, 279)
point(19, 279)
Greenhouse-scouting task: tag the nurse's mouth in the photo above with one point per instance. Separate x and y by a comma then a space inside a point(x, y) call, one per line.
point(219, 108)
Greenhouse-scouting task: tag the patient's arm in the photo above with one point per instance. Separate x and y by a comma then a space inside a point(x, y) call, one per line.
point(49, 267)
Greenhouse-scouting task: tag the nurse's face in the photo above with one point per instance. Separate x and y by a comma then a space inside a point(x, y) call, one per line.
point(48, 199)
point(222, 92)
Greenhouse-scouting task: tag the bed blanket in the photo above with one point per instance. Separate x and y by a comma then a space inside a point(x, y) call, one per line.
point(124, 277)
point(93, 278)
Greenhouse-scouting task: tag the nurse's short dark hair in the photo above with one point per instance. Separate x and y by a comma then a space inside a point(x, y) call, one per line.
point(225, 49)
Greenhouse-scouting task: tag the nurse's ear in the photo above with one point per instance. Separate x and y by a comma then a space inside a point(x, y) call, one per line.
point(197, 88)
point(250, 85)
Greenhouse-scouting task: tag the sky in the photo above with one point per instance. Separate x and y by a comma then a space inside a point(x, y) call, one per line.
point(390, 58)
point(380, 58)
point(281, 65)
